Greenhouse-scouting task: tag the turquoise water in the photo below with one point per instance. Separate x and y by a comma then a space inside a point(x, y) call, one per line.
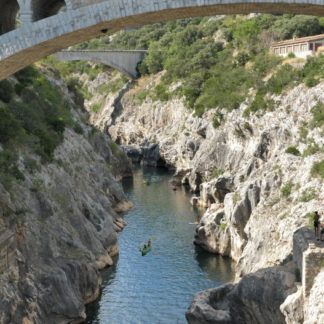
point(159, 287)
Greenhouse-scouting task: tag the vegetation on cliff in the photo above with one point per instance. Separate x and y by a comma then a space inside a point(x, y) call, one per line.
point(33, 116)
point(219, 60)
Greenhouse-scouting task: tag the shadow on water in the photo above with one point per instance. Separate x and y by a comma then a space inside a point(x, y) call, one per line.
point(159, 287)
point(215, 267)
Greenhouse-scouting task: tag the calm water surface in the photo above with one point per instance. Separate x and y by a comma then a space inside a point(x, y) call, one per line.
point(158, 287)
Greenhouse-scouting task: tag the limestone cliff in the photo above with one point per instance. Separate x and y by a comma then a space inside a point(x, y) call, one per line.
point(58, 227)
point(254, 175)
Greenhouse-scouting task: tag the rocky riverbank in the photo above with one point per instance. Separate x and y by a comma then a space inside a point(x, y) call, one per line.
point(59, 224)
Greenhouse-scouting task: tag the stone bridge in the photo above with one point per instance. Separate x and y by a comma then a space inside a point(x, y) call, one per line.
point(48, 26)
point(124, 61)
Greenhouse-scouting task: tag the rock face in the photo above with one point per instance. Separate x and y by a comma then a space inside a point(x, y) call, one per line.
point(257, 194)
point(315, 304)
point(255, 299)
point(58, 227)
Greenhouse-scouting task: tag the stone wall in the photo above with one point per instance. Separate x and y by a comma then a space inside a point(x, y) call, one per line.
point(313, 262)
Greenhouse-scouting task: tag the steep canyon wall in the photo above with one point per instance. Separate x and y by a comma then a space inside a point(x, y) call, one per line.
point(255, 192)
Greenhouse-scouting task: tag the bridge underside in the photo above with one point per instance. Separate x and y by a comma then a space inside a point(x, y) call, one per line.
point(31, 43)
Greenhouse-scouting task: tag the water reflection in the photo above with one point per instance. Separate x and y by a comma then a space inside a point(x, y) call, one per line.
point(215, 267)
point(159, 287)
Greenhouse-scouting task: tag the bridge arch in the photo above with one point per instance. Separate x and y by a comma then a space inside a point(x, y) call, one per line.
point(125, 61)
point(8, 15)
point(45, 8)
point(89, 19)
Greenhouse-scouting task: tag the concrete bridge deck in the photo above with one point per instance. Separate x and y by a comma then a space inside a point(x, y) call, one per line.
point(45, 30)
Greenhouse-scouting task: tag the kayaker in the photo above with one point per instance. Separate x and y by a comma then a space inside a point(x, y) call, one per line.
point(149, 243)
point(144, 246)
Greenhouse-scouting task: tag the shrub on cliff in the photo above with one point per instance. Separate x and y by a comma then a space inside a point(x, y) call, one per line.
point(293, 150)
point(9, 170)
point(10, 128)
point(308, 194)
point(6, 91)
point(318, 115)
point(115, 149)
point(318, 169)
point(38, 112)
point(298, 26)
point(286, 189)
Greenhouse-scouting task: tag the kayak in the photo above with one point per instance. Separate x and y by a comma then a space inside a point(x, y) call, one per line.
point(146, 250)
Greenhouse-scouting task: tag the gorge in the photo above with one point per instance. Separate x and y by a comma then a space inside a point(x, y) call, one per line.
point(241, 128)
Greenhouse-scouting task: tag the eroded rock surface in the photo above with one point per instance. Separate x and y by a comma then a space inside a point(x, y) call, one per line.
point(58, 227)
point(254, 299)
point(256, 194)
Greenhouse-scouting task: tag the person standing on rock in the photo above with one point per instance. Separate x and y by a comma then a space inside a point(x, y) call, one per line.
point(316, 224)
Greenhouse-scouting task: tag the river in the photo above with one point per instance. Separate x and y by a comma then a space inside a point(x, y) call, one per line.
point(156, 288)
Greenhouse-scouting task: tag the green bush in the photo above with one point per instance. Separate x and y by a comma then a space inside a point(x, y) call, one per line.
point(78, 91)
point(41, 112)
point(242, 58)
point(218, 172)
point(293, 150)
point(303, 131)
point(104, 88)
point(310, 217)
point(27, 75)
point(286, 189)
point(161, 92)
point(223, 226)
point(115, 148)
point(311, 82)
point(308, 195)
point(318, 115)
point(312, 149)
point(7, 91)
point(9, 170)
point(118, 84)
point(77, 128)
point(259, 104)
point(318, 169)
point(217, 119)
point(96, 107)
point(297, 26)
point(246, 31)
point(285, 76)
point(10, 128)
point(31, 164)
point(142, 95)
